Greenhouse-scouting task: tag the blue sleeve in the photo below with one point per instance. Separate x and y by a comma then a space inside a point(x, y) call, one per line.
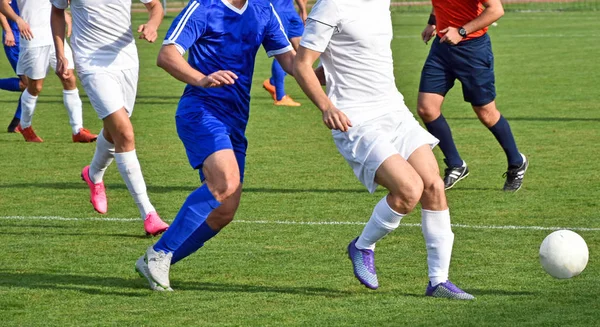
point(275, 41)
point(187, 27)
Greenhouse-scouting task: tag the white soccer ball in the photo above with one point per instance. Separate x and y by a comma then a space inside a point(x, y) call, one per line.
point(564, 254)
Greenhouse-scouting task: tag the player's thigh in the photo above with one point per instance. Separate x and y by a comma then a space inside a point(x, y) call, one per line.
point(34, 61)
point(105, 92)
point(474, 68)
point(399, 177)
point(437, 75)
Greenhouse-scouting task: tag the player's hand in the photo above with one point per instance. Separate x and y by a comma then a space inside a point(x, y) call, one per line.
point(428, 33)
point(62, 68)
point(451, 36)
point(148, 32)
point(336, 119)
point(69, 22)
point(9, 39)
point(304, 16)
point(218, 79)
point(25, 29)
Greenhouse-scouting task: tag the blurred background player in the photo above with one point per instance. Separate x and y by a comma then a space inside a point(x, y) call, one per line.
point(10, 39)
point(108, 68)
point(462, 50)
point(36, 54)
point(293, 24)
point(212, 115)
point(375, 132)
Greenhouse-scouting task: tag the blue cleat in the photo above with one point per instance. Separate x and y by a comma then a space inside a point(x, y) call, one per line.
point(363, 262)
point(447, 290)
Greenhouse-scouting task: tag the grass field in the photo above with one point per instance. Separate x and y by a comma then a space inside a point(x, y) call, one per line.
point(268, 269)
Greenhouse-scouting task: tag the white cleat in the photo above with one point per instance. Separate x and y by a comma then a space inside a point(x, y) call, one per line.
point(142, 269)
point(158, 264)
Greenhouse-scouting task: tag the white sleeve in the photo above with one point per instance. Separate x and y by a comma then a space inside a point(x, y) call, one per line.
point(316, 35)
point(145, 1)
point(326, 12)
point(60, 4)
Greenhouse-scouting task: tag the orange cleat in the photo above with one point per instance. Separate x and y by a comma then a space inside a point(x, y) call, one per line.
point(270, 88)
point(286, 101)
point(84, 136)
point(154, 225)
point(29, 135)
point(18, 129)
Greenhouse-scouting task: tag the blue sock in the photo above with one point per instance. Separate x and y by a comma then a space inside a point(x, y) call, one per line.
point(278, 79)
point(194, 242)
point(18, 112)
point(10, 84)
point(440, 129)
point(192, 214)
point(504, 135)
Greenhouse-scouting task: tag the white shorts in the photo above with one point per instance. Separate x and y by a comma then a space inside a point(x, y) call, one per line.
point(367, 145)
point(34, 62)
point(110, 91)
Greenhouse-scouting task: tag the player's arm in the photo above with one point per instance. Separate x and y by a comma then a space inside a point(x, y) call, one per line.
point(149, 31)
point(286, 61)
point(7, 11)
point(172, 61)
point(9, 37)
point(302, 9)
point(429, 30)
point(492, 12)
point(333, 118)
point(58, 24)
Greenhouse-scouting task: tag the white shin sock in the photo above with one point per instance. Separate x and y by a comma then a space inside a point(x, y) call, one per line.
point(73, 105)
point(130, 170)
point(103, 157)
point(438, 240)
point(28, 103)
point(383, 220)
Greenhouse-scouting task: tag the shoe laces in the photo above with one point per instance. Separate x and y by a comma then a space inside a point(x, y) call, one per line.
point(99, 189)
point(368, 260)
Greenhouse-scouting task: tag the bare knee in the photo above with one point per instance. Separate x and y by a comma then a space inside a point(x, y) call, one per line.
point(433, 190)
point(35, 88)
point(226, 187)
point(405, 200)
point(69, 83)
point(123, 140)
point(429, 106)
point(488, 114)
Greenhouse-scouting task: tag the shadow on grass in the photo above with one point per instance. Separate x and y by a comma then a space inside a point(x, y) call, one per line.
point(98, 285)
point(493, 292)
point(167, 189)
point(550, 119)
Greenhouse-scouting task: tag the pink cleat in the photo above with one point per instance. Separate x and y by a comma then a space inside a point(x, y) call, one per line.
point(154, 225)
point(97, 192)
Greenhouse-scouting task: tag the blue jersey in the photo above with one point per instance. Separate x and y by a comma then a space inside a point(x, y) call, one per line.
point(222, 37)
point(283, 6)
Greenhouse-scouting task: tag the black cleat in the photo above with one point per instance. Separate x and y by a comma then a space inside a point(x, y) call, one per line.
point(12, 127)
point(454, 174)
point(514, 176)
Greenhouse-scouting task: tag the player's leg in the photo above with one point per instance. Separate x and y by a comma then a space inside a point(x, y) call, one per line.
point(477, 77)
point(28, 104)
point(72, 101)
point(12, 84)
point(435, 224)
point(12, 53)
point(437, 79)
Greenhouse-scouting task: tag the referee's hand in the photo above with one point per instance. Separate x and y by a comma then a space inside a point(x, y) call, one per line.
point(428, 33)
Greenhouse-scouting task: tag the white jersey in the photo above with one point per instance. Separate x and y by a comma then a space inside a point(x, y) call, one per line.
point(102, 38)
point(37, 14)
point(354, 37)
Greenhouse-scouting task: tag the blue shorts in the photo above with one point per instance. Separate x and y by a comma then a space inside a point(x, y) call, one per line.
point(12, 53)
point(203, 134)
point(471, 62)
point(292, 24)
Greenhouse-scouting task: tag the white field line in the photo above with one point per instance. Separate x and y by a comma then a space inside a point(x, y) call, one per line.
point(291, 222)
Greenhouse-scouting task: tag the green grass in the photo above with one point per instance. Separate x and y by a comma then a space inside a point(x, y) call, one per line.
point(80, 273)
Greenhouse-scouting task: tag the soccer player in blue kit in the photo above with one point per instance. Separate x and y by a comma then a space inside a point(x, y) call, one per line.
point(293, 25)
point(10, 39)
point(222, 37)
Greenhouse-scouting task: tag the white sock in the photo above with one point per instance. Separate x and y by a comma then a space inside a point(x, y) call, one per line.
point(130, 170)
point(103, 157)
point(28, 103)
point(383, 220)
point(438, 240)
point(73, 105)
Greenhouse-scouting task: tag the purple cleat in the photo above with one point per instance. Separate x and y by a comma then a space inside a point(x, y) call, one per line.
point(363, 262)
point(448, 290)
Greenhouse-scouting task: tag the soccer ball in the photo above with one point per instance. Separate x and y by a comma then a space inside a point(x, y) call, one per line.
point(563, 254)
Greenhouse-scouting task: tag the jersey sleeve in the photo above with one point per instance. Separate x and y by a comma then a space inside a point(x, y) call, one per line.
point(145, 1)
point(187, 27)
point(275, 41)
point(60, 4)
point(321, 24)
point(326, 12)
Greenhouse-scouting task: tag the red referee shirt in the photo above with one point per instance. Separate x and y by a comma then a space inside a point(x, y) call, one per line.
point(457, 13)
